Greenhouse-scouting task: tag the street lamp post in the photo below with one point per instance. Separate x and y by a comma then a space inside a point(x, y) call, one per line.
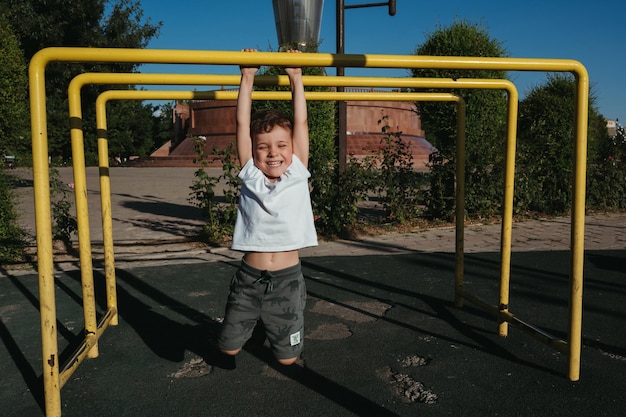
point(298, 26)
point(298, 23)
point(342, 144)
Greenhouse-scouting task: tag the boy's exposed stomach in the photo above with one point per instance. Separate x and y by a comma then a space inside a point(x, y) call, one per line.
point(272, 261)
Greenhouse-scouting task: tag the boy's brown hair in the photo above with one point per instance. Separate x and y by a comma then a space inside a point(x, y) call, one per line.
point(264, 121)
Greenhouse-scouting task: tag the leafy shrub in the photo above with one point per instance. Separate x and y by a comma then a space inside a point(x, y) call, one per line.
point(439, 197)
point(335, 196)
point(605, 185)
point(64, 224)
point(485, 125)
point(545, 157)
point(606, 178)
point(220, 216)
point(12, 237)
point(399, 186)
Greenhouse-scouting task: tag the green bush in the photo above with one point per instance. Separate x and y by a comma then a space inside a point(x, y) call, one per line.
point(335, 196)
point(440, 195)
point(388, 175)
point(14, 127)
point(12, 237)
point(606, 179)
point(399, 186)
point(485, 125)
point(220, 216)
point(64, 224)
point(605, 185)
point(545, 155)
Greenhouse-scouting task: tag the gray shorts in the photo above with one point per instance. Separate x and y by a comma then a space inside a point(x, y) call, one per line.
point(277, 298)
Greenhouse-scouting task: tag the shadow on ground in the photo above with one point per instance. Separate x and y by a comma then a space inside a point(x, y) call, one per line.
point(384, 338)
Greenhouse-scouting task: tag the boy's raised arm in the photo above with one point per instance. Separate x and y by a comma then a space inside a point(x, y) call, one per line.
point(244, 110)
point(300, 117)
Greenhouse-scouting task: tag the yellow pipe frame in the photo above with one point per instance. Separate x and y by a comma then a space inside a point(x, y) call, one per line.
point(90, 344)
point(43, 222)
point(460, 294)
point(320, 81)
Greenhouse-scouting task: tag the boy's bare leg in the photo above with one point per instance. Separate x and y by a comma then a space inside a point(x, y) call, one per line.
point(287, 362)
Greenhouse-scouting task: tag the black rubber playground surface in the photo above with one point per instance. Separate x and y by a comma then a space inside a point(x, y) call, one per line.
point(383, 339)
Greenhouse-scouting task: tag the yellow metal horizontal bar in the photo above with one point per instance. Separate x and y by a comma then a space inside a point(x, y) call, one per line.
point(308, 80)
point(272, 95)
point(165, 56)
point(534, 331)
point(82, 351)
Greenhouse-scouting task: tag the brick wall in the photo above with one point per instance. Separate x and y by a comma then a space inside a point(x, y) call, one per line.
point(215, 120)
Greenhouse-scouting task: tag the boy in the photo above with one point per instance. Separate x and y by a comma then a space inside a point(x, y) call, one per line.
point(274, 220)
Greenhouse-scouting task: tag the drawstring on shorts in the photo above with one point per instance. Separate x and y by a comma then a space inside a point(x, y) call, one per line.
point(266, 278)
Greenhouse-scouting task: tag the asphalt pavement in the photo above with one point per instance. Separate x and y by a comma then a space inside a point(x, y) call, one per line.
point(383, 337)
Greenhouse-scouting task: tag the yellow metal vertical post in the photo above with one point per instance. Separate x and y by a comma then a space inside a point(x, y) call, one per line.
point(43, 225)
point(507, 208)
point(578, 222)
point(82, 216)
point(105, 207)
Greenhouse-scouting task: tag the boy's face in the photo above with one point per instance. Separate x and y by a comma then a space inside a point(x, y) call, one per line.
point(273, 151)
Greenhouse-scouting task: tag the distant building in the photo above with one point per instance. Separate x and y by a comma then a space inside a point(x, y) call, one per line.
point(215, 121)
point(611, 126)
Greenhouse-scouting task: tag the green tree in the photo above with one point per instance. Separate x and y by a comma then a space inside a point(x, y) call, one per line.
point(130, 129)
point(88, 23)
point(546, 133)
point(13, 239)
point(13, 95)
point(13, 134)
point(486, 124)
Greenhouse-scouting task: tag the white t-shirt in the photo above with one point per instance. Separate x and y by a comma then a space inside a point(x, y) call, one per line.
point(274, 216)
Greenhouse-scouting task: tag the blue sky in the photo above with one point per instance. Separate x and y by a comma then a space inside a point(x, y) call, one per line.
point(593, 33)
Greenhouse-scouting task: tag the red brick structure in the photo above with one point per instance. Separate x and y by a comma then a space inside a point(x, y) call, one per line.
point(364, 133)
point(215, 121)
